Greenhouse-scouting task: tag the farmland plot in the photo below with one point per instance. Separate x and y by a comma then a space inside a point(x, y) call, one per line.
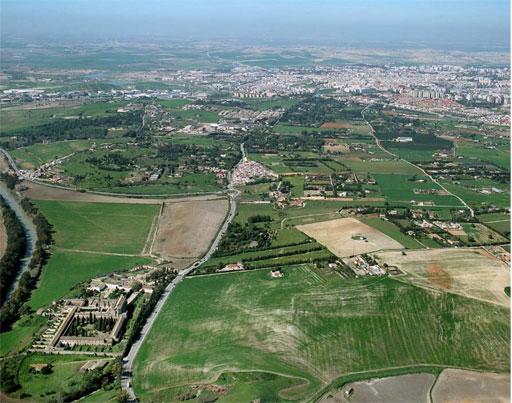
point(348, 236)
point(473, 273)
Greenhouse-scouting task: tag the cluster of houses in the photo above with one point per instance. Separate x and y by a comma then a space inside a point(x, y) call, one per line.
point(247, 171)
point(362, 267)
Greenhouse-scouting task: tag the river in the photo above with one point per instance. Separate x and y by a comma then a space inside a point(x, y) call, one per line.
point(28, 227)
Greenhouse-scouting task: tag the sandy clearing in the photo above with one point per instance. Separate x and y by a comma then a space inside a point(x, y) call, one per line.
point(186, 229)
point(455, 386)
point(471, 272)
point(337, 125)
point(41, 192)
point(336, 235)
point(396, 389)
point(3, 236)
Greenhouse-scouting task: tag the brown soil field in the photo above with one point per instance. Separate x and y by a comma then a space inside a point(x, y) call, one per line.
point(3, 237)
point(438, 276)
point(336, 235)
point(455, 386)
point(187, 228)
point(471, 272)
point(37, 191)
point(335, 147)
point(396, 389)
point(336, 125)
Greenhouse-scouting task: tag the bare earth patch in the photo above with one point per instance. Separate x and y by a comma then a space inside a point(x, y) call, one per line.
point(348, 237)
point(3, 237)
point(186, 229)
point(471, 272)
point(396, 389)
point(455, 386)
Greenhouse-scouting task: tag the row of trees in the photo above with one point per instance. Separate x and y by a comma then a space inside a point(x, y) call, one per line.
point(10, 264)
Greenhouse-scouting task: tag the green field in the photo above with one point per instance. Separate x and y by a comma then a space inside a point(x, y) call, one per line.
point(38, 154)
point(21, 334)
point(311, 326)
point(392, 231)
point(65, 376)
point(99, 227)
point(65, 270)
point(499, 222)
point(17, 118)
point(400, 188)
point(91, 239)
point(262, 104)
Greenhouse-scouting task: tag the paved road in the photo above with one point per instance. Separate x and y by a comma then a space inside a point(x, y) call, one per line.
point(377, 141)
point(126, 378)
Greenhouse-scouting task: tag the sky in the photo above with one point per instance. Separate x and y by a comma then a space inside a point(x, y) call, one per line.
point(440, 24)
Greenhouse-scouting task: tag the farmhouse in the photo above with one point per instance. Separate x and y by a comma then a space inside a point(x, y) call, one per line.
point(276, 273)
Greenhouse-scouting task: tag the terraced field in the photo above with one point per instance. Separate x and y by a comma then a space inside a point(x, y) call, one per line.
point(310, 326)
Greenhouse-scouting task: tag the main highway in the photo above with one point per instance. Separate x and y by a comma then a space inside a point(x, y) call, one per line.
point(126, 377)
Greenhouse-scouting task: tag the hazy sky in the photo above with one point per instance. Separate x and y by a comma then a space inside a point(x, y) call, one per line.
point(454, 24)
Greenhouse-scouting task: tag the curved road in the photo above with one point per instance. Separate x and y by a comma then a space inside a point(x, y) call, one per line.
point(126, 377)
point(377, 141)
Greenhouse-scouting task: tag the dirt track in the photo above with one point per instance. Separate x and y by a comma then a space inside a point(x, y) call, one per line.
point(186, 229)
point(41, 192)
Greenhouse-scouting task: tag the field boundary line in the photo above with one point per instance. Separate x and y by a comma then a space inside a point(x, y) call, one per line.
point(93, 252)
point(147, 250)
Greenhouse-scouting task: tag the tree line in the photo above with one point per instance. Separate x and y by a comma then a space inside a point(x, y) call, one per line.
point(14, 307)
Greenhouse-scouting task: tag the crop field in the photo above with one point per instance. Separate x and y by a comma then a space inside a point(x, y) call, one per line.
point(186, 229)
point(477, 199)
point(499, 222)
point(311, 327)
point(348, 236)
point(499, 156)
point(65, 270)
point(473, 273)
point(99, 227)
point(401, 188)
point(392, 231)
point(386, 166)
